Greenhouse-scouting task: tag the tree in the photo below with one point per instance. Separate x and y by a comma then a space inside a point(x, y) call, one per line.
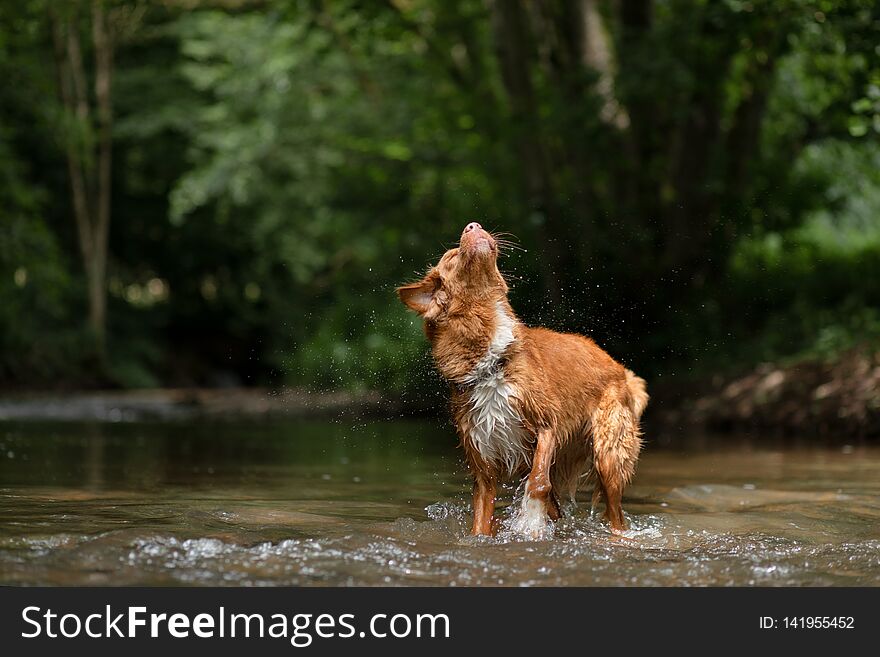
point(89, 140)
point(280, 166)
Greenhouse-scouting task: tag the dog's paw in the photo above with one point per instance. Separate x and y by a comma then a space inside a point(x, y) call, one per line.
point(532, 521)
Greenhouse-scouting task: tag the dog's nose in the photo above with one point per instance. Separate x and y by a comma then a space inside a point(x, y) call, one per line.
point(472, 226)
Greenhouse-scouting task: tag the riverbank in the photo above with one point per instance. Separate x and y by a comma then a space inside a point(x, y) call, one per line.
point(181, 404)
point(838, 398)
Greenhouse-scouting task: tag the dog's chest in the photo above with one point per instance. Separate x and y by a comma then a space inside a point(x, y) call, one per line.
point(493, 425)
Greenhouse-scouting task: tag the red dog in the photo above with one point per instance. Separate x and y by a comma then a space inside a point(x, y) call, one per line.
point(526, 401)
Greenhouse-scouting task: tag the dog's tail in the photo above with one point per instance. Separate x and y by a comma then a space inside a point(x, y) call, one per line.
point(638, 395)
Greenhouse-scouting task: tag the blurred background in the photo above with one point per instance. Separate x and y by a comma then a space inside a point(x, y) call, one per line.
point(225, 193)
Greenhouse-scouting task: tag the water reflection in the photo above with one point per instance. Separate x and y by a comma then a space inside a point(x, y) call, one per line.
point(324, 503)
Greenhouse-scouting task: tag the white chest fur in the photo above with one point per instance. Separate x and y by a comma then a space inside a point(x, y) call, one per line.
point(494, 427)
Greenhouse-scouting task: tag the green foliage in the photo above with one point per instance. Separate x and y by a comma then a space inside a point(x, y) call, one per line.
point(811, 291)
point(36, 292)
point(702, 193)
point(39, 340)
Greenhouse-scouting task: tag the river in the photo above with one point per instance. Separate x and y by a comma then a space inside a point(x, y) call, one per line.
point(293, 502)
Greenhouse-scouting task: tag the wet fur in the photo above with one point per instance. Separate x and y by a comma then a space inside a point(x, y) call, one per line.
point(526, 402)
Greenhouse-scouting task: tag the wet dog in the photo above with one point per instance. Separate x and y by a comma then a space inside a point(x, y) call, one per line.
point(527, 402)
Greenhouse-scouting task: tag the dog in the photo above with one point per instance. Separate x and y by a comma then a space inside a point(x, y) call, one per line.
point(528, 403)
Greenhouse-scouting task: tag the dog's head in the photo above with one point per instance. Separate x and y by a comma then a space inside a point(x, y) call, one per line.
point(465, 278)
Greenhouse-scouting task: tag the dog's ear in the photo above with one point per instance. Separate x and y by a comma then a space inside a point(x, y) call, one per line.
point(417, 296)
point(425, 297)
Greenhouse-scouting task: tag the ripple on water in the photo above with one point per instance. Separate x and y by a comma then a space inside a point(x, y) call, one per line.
point(692, 535)
point(655, 551)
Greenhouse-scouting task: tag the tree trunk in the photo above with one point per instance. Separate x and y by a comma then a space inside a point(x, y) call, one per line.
point(104, 128)
point(89, 166)
point(635, 192)
point(513, 48)
point(598, 54)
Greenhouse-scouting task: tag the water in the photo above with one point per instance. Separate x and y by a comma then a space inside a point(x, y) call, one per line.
point(387, 503)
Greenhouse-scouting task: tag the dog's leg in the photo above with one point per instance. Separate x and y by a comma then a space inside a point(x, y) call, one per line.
point(538, 505)
point(484, 504)
point(538, 486)
point(597, 497)
point(616, 446)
